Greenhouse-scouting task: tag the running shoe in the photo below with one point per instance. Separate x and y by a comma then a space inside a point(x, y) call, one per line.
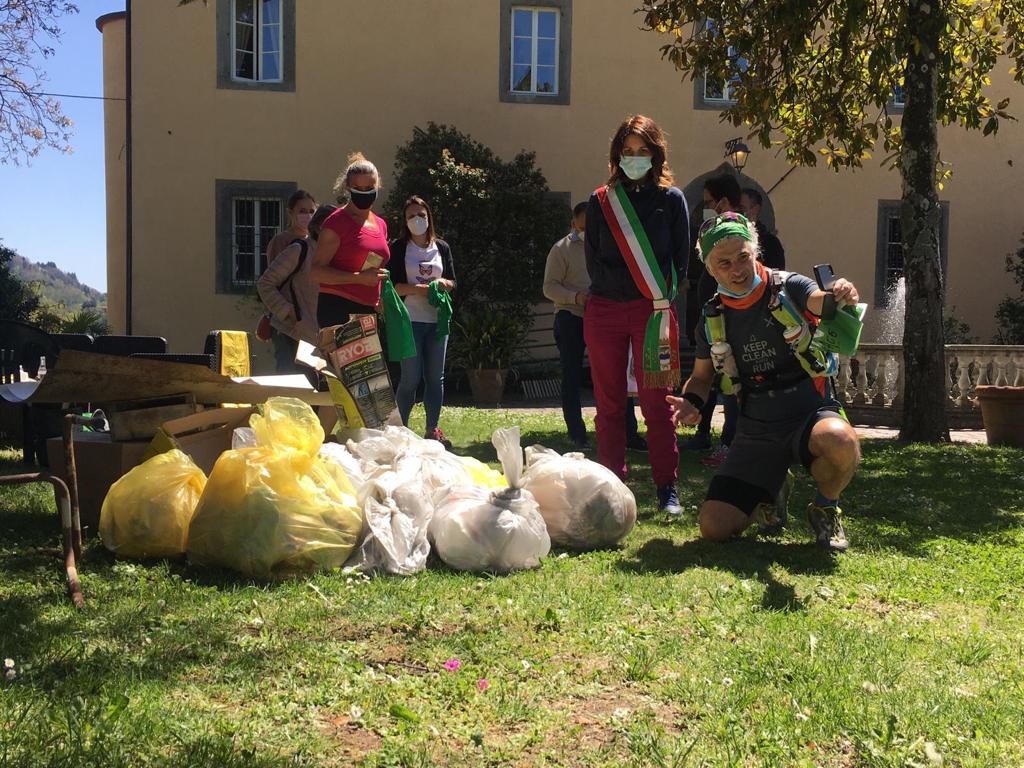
point(770, 519)
point(717, 457)
point(437, 434)
point(668, 501)
point(827, 527)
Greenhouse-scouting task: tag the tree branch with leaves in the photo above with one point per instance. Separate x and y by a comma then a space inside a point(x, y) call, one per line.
point(816, 82)
point(29, 120)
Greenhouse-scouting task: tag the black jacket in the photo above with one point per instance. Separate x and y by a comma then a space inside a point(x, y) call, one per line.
point(665, 219)
point(772, 253)
point(397, 263)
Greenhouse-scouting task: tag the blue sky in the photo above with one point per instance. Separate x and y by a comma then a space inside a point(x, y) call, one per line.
point(54, 209)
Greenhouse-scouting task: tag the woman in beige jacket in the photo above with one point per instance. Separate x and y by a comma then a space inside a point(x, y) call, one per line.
point(290, 294)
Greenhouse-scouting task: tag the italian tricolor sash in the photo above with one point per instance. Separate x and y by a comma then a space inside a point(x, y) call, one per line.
point(661, 339)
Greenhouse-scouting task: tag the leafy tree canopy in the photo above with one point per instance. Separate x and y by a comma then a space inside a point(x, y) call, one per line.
point(818, 78)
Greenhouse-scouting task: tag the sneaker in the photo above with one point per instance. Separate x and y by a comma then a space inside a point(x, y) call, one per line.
point(767, 519)
point(636, 443)
point(437, 434)
point(827, 527)
point(697, 442)
point(716, 458)
point(668, 501)
point(772, 518)
point(580, 442)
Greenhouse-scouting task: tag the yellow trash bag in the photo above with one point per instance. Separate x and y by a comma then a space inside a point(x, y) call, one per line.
point(275, 509)
point(482, 474)
point(147, 512)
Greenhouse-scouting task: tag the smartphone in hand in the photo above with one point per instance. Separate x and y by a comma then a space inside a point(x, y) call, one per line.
point(826, 280)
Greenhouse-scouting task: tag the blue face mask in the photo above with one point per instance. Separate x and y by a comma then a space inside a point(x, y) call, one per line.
point(635, 167)
point(733, 295)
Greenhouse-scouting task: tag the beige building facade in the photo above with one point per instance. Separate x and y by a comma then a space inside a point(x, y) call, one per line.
point(235, 103)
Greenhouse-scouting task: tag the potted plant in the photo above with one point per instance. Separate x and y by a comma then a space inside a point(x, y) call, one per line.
point(488, 337)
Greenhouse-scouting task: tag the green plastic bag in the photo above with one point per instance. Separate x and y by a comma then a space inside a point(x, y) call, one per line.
point(841, 332)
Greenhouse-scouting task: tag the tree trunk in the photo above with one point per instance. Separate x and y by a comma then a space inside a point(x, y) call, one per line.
point(924, 391)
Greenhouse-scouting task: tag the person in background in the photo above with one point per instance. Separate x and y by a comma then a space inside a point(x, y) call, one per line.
point(352, 249)
point(567, 285)
point(721, 194)
point(290, 294)
point(421, 260)
point(301, 206)
point(636, 242)
point(773, 255)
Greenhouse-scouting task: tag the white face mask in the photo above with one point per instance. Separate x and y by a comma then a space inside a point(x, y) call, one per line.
point(417, 225)
point(710, 213)
point(635, 166)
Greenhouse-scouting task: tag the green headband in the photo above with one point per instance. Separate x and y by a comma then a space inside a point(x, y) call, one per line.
point(736, 225)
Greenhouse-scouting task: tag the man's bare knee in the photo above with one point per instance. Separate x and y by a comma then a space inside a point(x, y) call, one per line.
point(720, 522)
point(835, 441)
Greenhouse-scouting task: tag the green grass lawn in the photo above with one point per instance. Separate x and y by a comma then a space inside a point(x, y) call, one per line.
point(907, 651)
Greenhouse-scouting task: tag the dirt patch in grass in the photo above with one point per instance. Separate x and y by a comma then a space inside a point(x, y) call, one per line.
point(354, 740)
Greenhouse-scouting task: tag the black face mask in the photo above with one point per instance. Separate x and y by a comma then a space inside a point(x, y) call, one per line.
point(363, 200)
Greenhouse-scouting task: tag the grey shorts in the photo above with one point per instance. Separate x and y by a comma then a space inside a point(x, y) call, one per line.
point(761, 454)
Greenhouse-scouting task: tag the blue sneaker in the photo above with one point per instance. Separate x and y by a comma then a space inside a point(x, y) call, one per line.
point(668, 501)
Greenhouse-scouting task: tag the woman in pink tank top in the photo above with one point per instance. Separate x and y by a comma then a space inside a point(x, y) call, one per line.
point(352, 250)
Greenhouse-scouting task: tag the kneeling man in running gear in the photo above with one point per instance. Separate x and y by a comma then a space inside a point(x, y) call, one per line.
point(758, 332)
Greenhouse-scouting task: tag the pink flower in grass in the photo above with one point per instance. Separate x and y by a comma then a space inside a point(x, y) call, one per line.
point(452, 665)
point(482, 684)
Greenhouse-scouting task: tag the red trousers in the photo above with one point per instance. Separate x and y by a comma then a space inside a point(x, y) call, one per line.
point(609, 328)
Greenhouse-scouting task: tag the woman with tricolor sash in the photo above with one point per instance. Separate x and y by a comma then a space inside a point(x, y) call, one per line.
point(637, 241)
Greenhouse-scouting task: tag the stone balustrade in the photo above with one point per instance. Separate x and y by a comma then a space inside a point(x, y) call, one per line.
point(870, 383)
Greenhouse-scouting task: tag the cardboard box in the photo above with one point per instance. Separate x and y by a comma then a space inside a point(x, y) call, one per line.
point(100, 462)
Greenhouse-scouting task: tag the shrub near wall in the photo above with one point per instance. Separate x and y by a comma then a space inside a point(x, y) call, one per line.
point(499, 217)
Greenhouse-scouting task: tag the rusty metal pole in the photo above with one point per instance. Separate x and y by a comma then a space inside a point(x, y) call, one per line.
point(69, 522)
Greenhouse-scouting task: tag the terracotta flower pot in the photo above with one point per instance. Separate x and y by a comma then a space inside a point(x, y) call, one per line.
point(1002, 410)
point(487, 385)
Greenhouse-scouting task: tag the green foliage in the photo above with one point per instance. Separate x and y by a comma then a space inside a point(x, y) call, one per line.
point(498, 216)
point(487, 337)
point(1010, 313)
point(823, 75)
point(954, 329)
point(17, 299)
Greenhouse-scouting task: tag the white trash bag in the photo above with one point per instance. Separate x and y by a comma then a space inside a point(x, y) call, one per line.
point(477, 529)
point(583, 503)
point(397, 513)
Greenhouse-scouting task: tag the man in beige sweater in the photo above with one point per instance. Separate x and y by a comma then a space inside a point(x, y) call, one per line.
point(567, 284)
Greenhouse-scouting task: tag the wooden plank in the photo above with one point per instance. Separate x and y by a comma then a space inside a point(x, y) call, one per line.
point(90, 377)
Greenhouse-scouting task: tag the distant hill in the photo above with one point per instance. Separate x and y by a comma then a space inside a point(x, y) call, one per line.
point(58, 286)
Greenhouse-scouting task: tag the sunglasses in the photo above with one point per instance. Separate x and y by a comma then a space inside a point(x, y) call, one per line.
point(710, 224)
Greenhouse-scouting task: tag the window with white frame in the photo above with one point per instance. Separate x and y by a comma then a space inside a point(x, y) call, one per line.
point(254, 222)
point(899, 96)
point(717, 90)
point(534, 50)
point(257, 40)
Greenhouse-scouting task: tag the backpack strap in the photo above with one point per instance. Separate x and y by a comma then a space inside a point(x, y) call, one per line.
point(303, 252)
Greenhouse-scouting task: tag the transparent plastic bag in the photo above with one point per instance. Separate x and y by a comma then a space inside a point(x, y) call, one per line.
point(147, 512)
point(477, 529)
point(278, 508)
point(397, 512)
point(583, 503)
